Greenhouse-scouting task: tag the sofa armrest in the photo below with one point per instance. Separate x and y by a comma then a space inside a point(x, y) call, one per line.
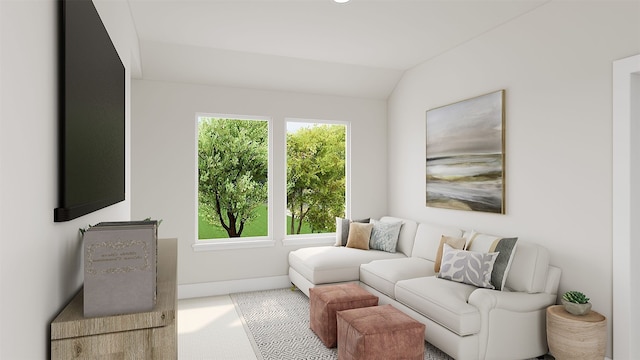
point(486, 299)
point(499, 311)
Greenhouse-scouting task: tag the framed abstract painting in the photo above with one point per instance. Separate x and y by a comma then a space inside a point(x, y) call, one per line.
point(465, 155)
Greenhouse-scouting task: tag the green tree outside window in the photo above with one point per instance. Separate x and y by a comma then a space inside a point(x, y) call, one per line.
point(315, 177)
point(232, 173)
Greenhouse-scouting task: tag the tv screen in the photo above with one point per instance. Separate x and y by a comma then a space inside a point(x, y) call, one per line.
point(92, 114)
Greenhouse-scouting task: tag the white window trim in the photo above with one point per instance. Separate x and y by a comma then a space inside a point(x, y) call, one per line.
point(236, 243)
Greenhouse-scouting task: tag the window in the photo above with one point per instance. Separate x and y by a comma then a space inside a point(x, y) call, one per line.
point(316, 176)
point(233, 177)
point(236, 188)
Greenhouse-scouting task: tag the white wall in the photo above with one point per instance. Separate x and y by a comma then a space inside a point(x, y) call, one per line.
point(164, 165)
point(40, 261)
point(555, 64)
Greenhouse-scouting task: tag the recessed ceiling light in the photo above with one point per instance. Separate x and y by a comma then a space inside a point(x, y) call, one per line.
point(341, 1)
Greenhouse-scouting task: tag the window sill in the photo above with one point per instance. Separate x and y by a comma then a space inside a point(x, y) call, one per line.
point(215, 245)
point(309, 240)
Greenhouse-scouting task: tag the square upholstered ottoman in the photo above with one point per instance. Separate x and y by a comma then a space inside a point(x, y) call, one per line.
point(379, 332)
point(325, 301)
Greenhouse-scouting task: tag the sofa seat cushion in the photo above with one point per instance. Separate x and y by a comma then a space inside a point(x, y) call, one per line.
point(443, 301)
point(383, 275)
point(330, 264)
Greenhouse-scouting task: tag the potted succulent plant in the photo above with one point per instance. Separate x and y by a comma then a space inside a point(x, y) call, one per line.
point(576, 303)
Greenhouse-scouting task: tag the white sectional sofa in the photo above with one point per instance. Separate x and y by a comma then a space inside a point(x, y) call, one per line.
point(465, 321)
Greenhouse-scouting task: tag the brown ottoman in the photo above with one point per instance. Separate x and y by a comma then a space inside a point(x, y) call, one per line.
point(325, 301)
point(380, 332)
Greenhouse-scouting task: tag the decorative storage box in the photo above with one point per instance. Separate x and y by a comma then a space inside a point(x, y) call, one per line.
point(120, 268)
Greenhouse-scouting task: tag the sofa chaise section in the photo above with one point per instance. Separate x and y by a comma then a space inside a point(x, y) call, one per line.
point(312, 266)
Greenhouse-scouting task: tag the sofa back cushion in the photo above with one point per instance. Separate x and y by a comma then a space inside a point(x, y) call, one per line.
point(427, 239)
point(529, 268)
point(406, 236)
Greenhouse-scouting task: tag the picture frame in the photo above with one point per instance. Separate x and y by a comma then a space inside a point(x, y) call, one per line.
point(465, 143)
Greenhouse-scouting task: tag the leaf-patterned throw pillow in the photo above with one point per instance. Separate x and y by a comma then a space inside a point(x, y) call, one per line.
point(469, 267)
point(384, 235)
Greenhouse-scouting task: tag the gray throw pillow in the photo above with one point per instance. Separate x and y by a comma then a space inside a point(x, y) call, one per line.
point(384, 235)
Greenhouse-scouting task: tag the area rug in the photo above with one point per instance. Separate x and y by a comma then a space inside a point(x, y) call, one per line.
point(277, 322)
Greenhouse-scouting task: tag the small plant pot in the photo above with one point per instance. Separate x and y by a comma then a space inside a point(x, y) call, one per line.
point(576, 309)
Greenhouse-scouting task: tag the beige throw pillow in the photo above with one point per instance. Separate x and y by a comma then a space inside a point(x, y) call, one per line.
point(359, 234)
point(456, 243)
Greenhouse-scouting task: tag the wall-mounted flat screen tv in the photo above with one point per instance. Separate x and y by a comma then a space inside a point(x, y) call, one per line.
point(91, 161)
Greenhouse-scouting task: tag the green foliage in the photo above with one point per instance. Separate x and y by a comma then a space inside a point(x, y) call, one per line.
point(232, 171)
point(316, 177)
point(575, 297)
point(256, 227)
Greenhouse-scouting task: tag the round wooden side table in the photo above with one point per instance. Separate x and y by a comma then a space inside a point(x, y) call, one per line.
point(576, 337)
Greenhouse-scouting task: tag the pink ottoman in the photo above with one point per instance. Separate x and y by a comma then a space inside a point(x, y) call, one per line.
point(380, 332)
point(325, 301)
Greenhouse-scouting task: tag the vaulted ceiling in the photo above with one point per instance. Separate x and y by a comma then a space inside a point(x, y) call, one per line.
point(359, 49)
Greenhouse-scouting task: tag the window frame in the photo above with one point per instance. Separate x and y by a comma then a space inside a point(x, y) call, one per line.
point(317, 238)
point(269, 241)
point(242, 242)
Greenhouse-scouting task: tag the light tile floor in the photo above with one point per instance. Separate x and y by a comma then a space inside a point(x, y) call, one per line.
point(210, 328)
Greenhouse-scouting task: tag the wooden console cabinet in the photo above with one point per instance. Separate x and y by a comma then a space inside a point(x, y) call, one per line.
point(147, 335)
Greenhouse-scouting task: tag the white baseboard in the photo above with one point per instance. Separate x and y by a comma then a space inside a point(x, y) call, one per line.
point(189, 291)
